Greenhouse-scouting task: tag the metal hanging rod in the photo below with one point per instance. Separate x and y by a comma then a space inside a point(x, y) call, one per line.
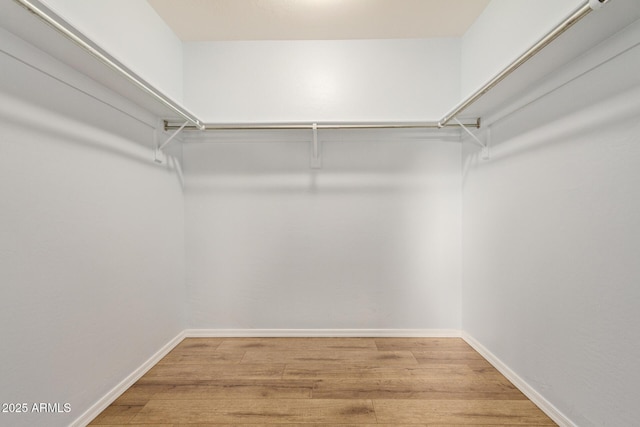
point(77, 37)
point(574, 17)
point(74, 35)
point(310, 126)
point(567, 23)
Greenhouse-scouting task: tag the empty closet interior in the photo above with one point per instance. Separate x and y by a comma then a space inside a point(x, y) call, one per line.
point(482, 184)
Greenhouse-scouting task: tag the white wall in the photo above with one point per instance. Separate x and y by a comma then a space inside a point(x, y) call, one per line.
point(337, 80)
point(552, 242)
point(504, 30)
point(272, 244)
point(91, 242)
point(372, 240)
point(132, 32)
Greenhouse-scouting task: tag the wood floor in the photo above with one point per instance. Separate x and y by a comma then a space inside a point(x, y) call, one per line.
point(323, 381)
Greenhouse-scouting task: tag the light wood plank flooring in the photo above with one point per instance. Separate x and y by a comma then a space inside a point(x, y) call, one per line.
point(323, 381)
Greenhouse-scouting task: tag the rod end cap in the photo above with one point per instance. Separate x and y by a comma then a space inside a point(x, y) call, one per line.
point(597, 4)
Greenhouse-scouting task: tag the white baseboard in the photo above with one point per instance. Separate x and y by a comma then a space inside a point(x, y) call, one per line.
point(115, 392)
point(533, 395)
point(412, 333)
point(522, 385)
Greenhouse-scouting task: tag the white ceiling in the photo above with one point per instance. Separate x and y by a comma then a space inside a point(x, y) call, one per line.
point(218, 20)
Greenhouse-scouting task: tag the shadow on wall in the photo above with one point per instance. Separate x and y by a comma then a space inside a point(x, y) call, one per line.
point(41, 103)
point(377, 161)
point(368, 241)
point(359, 260)
point(610, 92)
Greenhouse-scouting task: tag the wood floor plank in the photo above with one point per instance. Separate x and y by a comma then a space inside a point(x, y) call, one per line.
point(194, 374)
point(257, 411)
point(484, 412)
point(294, 344)
point(247, 389)
point(489, 373)
point(139, 394)
point(350, 357)
point(429, 389)
point(469, 357)
point(411, 344)
point(374, 371)
point(203, 358)
point(117, 415)
point(198, 344)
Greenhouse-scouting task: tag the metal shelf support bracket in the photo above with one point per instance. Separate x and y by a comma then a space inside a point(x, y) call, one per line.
point(159, 155)
point(484, 146)
point(316, 155)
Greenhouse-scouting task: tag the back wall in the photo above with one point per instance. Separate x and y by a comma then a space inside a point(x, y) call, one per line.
point(370, 241)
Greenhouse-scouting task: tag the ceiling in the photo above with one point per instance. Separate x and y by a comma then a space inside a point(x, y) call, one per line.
point(223, 20)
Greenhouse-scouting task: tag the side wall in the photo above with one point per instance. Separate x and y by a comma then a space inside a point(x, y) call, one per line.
point(132, 32)
point(552, 241)
point(504, 30)
point(370, 241)
point(91, 240)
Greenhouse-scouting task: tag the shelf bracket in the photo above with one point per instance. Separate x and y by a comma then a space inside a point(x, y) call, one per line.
point(484, 146)
point(159, 156)
point(316, 155)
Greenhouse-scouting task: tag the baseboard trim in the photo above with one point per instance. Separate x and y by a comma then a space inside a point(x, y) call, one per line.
point(546, 406)
point(409, 333)
point(115, 392)
point(554, 413)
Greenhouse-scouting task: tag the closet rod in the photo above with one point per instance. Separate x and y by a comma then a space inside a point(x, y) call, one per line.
point(309, 126)
point(68, 31)
point(567, 23)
